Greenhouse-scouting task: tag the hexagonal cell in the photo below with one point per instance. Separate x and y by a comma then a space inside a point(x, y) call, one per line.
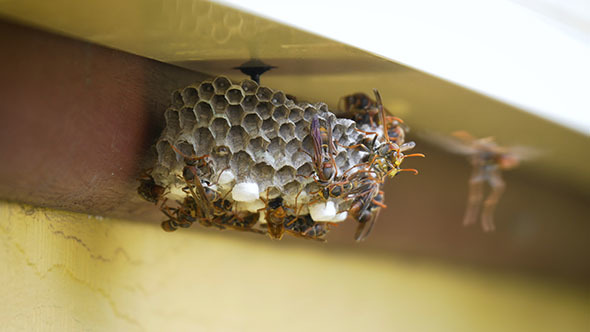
point(295, 114)
point(309, 113)
point(249, 102)
point(257, 147)
point(280, 113)
point(293, 146)
point(177, 101)
point(287, 131)
point(278, 98)
point(291, 189)
point(204, 114)
point(337, 131)
point(249, 87)
point(285, 174)
point(263, 173)
point(235, 114)
point(252, 124)
point(190, 96)
point(322, 107)
point(302, 129)
point(234, 96)
point(269, 128)
point(187, 118)
point(263, 110)
point(272, 192)
point(305, 170)
point(341, 159)
point(166, 156)
point(221, 155)
point(299, 158)
point(237, 138)
point(172, 121)
point(204, 141)
point(206, 90)
point(307, 144)
point(221, 84)
point(186, 148)
point(277, 148)
point(219, 104)
point(241, 164)
point(263, 93)
point(219, 127)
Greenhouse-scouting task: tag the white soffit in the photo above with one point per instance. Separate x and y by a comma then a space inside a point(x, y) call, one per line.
point(511, 51)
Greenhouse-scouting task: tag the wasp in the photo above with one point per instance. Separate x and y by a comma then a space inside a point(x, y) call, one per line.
point(305, 227)
point(488, 160)
point(366, 203)
point(275, 213)
point(324, 163)
point(148, 189)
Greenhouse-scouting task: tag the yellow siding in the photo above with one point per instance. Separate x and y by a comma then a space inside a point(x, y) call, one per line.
point(67, 271)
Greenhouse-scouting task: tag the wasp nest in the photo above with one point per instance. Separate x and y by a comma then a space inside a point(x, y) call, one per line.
point(259, 158)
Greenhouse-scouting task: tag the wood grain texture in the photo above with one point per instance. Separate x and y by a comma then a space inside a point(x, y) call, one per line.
point(64, 271)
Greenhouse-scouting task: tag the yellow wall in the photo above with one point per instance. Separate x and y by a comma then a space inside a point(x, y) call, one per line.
point(66, 271)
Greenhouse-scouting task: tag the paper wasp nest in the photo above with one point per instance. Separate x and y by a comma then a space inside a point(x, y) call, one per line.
point(252, 134)
point(246, 157)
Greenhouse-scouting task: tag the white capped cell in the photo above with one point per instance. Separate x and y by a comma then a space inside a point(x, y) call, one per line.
point(245, 192)
point(323, 211)
point(340, 217)
point(226, 177)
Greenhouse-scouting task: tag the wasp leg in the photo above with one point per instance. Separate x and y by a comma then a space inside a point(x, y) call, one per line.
point(475, 197)
point(487, 215)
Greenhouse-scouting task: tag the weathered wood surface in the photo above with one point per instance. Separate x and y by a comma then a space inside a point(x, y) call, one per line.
point(64, 271)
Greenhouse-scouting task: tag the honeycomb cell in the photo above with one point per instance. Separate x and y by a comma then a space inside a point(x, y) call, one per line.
point(237, 138)
point(263, 93)
point(269, 128)
point(234, 96)
point(292, 188)
point(186, 148)
point(204, 114)
point(307, 145)
point(287, 131)
point(263, 173)
point(309, 113)
point(337, 132)
point(249, 87)
point(257, 147)
point(299, 158)
point(295, 114)
point(263, 109)
point(219, 128)
point(278, 98)
point(241, 164)
point(221, 154)
point(206, 91)
point(249, 102)
point(285, 174)
point(203, 141)
point(219, 104)
point(190, 96)
point(187, 118)
point(280, 114)
point(221, 84)
point(305, 170)
point(341, 159)
point(235, 114)
point(301, 129)
point(166, 156)
point(277, 148)
point(293, 146)
point(172, 121)
point(252, 124)
point(322, 107)
point(177, 101)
